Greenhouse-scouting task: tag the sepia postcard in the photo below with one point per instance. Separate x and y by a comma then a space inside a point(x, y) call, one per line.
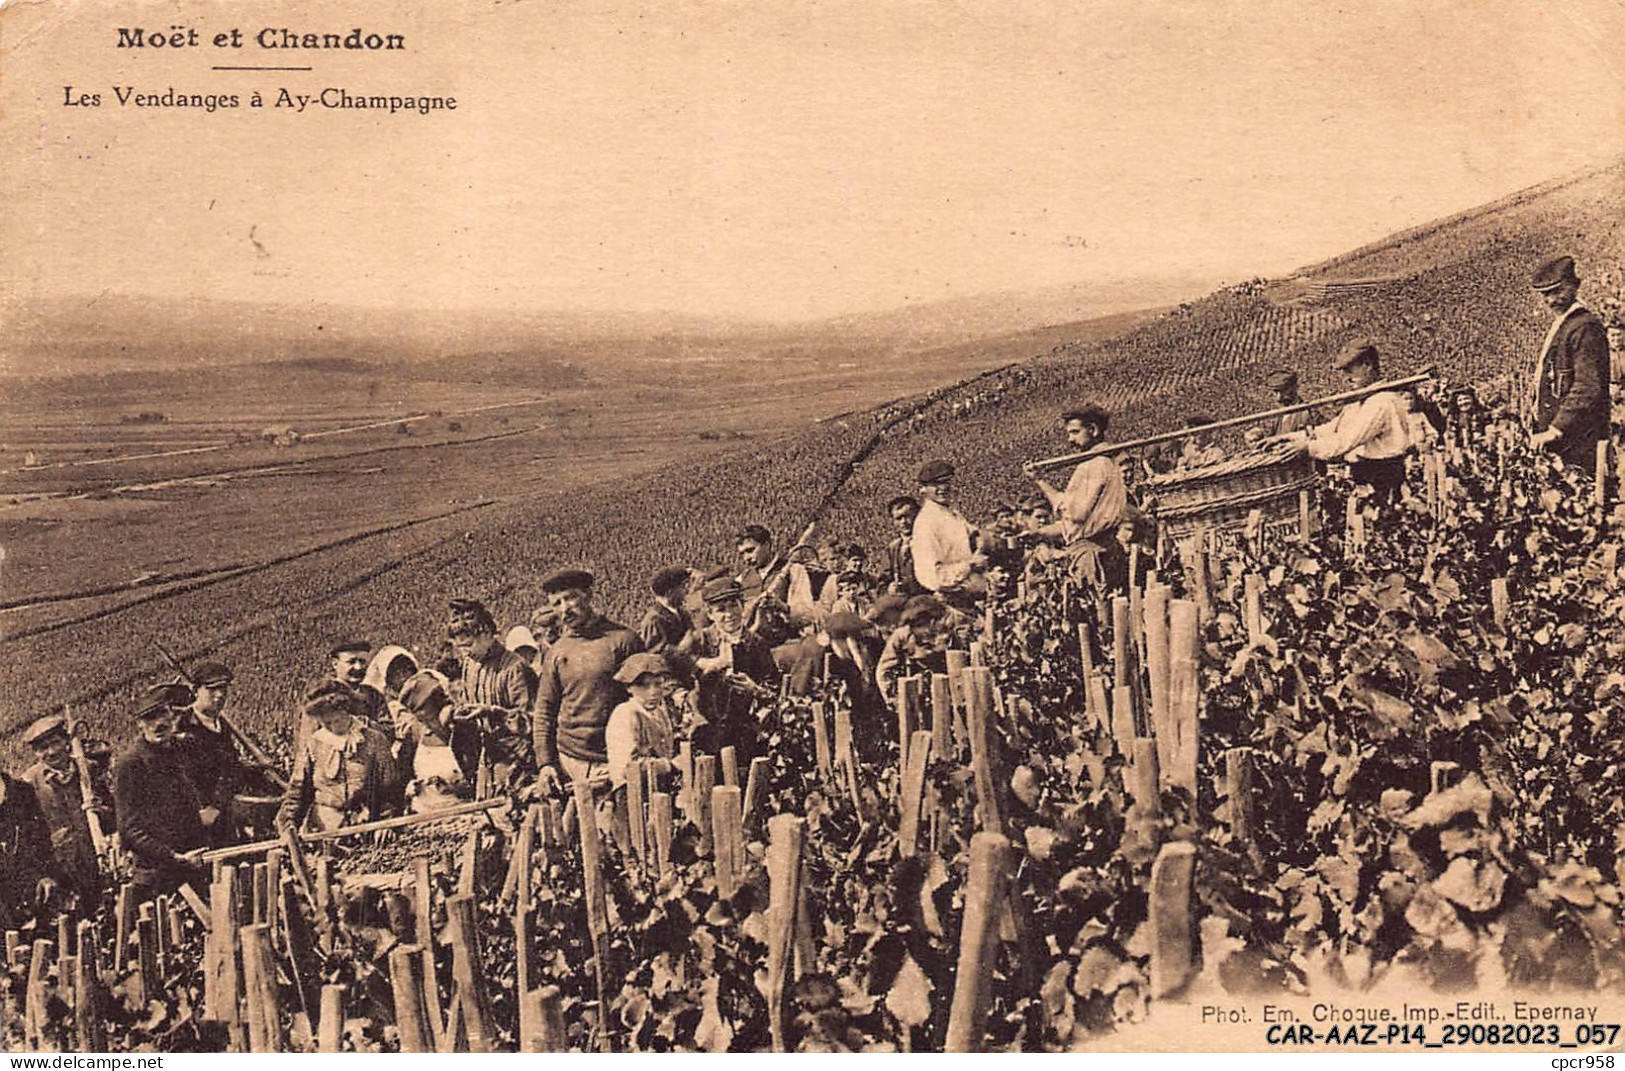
point(812, 527)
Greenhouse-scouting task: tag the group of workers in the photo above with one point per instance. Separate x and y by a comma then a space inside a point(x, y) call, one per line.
point(576, 696)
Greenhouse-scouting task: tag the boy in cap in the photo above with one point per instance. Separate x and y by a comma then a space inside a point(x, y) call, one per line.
point(65, 802)
point(1284, 383)
point(1568, 407)
point(644, 726)
point(163, 820)
point(209, 751)
point(666, 625)
point(344, 771)
point(1371, 434)
point(946, 558)
point(735, 666)
point(578, 690)
point(498, 690)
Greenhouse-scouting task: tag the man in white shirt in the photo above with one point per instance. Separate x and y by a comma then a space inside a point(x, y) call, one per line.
point(946, 559)
point(1371, 434)
point(1094, 502)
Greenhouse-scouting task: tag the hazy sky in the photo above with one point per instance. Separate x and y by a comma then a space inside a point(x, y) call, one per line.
point(777, 160)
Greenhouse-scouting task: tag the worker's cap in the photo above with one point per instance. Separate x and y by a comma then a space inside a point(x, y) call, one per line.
point(1554, 273)
point(518, 638)
point(1353, 352)
point(643, 664)
point(162, 697)
point(212, 673)
point(888, 608)
point(843, 624)
point(1285, 379)
point(421, 690)
point(667, 579)
point(920, 609)
point(348, 646)
point(935, 472)
point(852, 576)
point(469, 617)
point(855, 550)
point(45, 728)
point(721, 590)
point(567, 580)
point(754, 533)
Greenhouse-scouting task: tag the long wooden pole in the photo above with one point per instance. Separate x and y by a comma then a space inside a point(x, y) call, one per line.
point(237, 851)
point(1251, 418)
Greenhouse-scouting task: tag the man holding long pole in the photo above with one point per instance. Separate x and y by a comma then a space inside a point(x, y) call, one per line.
point(1371, 434)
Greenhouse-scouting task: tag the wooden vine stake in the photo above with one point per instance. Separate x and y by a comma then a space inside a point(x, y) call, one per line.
point(983, 740)
point(942, 715)
point(985, 888)
point(913, 793)
point(87, 994)
point(660, 820)
point(259, 971)
point(411, 1014)
point(36, 1004)
point(1500, 601)
point(1173, 943)
point(1252, 608)
point(820, 728)
point(466, 968)
point(755, 786)
point(1178, 753)
point(1121, 664)
point(956, 661)
point(543, 1009)
point(423, 918)
point(637, 814)
point(1239, 810)
point(728, 843)
point(785, 834)
point(1155, 609)
point(330, 1027)
point(705, 779)
point(1600, 491)
point(730, 766)
point(592, 869)
point(1125, 721)
point(908, 704)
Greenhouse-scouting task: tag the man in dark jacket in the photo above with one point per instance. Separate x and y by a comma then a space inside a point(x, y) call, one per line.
point(666, 626)
point(28, 876)
point(578, 691)
point(1568, 400)
point(497, 688)
point(64, 803)
point(211, 754)
point(735, 666)
point(162, 818)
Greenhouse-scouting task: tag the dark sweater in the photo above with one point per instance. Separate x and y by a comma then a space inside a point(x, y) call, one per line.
point(157, 807)
point(578, 691)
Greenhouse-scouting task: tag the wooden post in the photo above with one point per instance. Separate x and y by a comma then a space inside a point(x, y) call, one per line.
point(820, 738)
point(1143, 778)
point(468, 865)
point(146, 939)
point(727, 844)
point(908, 702)
point(1252, 607)
point(1172, 941)
point(1120, 641)
point(785, 833)
point(259, 970)
point(124, 927)
point(1155, 610)
point(660, 823)
point(913, 794)
point(1305, 529)
point(1238, 784)
point(942, 716)
point(422, 914)
point(15, 949)
point(956, 661)
point(592, 869)
point(301, 947)
point(331, 1027)
point(220, 978)
point(705, 779)
point(730, 766)
point(1178, 754)
point(273, 889)
point(983, 741)
point(411, 1016)
point(467, 967)
point(1125, 721)
point(755, 786)
point(87, 994)
point(36, 1004)
point(543, 1009)
point(842, 745)
point(636, 815)
point(1600, 491)
point(978, 942)
point(685, 779)
point(1500, 600)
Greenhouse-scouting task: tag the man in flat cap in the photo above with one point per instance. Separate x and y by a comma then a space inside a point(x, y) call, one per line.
point(343, 773)
point(206, 745)
point(735, 665)
point(578, 690)
point(1284, 383)
point(29, 877)
point(163, 820)
point(65, 802)
point(1094, 503)
point(498, 689)
point(945, 545)
point(1370, 434)
point(666, 624)
point(349, 659)
point(1567, 405)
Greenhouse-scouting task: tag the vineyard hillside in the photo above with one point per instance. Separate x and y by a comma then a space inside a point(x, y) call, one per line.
point(1453, 296)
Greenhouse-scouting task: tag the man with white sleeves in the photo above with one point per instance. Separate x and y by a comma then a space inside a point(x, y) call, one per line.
point(946, 559)
point(1371, 434)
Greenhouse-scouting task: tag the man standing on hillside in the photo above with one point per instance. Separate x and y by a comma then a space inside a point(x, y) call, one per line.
point(900, 551)
point(211, 753)
point(498, 689)
point(349, 658)
point(1094, 503)
point(64, 802)
point(1567, 403)
point(1371, 434)
point(946, 558)
point(578, 691)
point(163, 821)
point(666, 625)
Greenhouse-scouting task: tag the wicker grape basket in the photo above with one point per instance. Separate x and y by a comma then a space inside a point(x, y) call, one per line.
point(1222, 495)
